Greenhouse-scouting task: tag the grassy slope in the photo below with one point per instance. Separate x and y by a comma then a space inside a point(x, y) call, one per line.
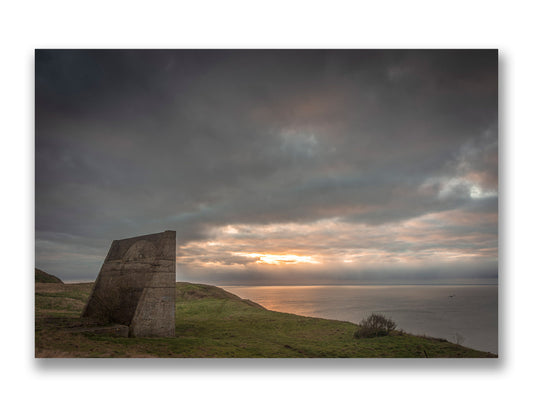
point(43, 277)
point(211, 322)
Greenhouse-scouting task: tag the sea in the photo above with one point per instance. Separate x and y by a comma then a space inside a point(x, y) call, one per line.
point(464, 314)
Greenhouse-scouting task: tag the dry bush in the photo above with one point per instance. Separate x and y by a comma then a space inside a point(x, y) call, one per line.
point(375, 325)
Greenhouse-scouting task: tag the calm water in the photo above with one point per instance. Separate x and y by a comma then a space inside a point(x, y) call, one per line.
point(471, 314)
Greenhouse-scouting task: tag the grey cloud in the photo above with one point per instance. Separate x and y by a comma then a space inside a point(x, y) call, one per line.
point(439, 274)
point(132, 142)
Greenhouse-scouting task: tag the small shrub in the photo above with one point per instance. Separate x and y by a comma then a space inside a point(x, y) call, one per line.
point(458, 338)
point(373, 326)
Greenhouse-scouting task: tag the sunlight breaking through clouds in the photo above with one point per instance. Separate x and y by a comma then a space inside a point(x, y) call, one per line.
point(325, 162)
point(277, 259)
point(331, 244)
point(459, 186)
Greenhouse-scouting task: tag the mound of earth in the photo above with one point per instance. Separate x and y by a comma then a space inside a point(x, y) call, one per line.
point(191, 291)
point(44, 277)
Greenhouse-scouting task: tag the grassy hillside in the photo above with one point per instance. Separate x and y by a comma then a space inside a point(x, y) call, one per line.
point(211, 322)
point(43, 277)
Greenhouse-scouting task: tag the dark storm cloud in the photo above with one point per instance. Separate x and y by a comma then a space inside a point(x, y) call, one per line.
point(132, 142)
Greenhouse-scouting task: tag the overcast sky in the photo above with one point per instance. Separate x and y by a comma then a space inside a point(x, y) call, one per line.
point(274, 167)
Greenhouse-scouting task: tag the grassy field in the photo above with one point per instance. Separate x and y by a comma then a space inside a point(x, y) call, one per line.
point(211, 322)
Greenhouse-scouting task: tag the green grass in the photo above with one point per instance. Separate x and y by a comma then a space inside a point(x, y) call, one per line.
point(43, 277)
point(211, 322)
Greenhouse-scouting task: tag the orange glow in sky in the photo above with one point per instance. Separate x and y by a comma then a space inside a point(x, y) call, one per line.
point(277, 259)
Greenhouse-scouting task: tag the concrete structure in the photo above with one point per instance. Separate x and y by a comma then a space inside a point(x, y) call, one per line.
point(137, 285)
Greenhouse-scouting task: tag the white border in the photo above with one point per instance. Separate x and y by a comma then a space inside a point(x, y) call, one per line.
point(245, 24)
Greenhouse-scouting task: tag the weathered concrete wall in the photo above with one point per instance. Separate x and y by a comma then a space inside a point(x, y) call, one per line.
point(137, 285)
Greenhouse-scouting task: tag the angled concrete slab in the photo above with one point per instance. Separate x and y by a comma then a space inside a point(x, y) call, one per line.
point(136, 286)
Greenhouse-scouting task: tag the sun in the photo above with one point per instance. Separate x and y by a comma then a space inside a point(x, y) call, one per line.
point(279, 259)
